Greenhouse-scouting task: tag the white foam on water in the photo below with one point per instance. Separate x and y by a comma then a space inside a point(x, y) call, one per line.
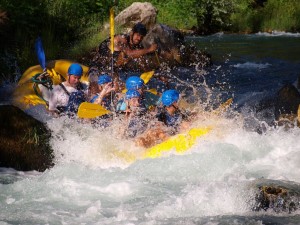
point(216, 177)
point(252, 65)
point(278, 33)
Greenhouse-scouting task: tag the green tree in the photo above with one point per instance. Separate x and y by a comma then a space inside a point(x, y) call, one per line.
point(213, 15)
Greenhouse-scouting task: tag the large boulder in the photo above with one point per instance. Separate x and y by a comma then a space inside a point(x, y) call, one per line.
point(172, 51)
point(24, 141)
point(287, 103)
point(280, 198)
point(143, 12)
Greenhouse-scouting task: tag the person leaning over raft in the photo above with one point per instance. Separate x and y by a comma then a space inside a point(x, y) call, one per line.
point(170, 114)
point(68, 95)
point(127, 47)
point(170, 121)
point(135, 114)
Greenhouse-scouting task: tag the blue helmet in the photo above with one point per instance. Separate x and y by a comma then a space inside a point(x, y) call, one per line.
point(132, 94)
point(169, 97)
point(103, 79)
point(134, 83)
point(75, 69)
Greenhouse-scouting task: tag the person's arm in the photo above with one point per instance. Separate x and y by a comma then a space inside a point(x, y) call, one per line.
point(122, 45)
point(52, 103)
point(136, 53)
point(106, 90)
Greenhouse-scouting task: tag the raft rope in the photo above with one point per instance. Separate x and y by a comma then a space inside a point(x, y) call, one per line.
point(43, 79)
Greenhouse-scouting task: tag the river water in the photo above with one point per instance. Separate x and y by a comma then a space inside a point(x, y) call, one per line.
point(215, 182)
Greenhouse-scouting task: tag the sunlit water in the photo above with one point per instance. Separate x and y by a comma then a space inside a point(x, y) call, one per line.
point(215, 182)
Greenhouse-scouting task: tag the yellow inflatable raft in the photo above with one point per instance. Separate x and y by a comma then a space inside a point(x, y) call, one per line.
point(24, 94)
point(179, 144)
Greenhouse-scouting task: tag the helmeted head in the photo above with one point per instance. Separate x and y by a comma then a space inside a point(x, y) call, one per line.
point(132, 94)
point(75, 69)
point(140, 29)
point(169, 97)
point(103, 79)
point(134, 83)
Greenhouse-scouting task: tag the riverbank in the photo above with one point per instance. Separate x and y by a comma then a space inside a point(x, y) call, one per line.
point(65, 38)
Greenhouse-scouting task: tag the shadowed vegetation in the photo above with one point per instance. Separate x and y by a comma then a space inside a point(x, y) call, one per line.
point(72, 28)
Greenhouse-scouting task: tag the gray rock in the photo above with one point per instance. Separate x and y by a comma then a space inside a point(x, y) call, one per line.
point(143, 12)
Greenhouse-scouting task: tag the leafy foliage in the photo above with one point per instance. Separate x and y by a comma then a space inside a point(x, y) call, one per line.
point(76, 24)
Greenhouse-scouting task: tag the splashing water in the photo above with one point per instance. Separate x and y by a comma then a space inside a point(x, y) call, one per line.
point(214, 182)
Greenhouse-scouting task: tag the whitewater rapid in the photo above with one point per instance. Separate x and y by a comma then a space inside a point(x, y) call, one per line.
point(218, 177)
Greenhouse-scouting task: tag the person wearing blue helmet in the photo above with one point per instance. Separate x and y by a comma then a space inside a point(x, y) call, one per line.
point(68, 95)
point(170, 97)
point(170, 114)
point(134, 104)
point(127, 48)
point(134, 83)
point(135, 114)
point(170, 120)
point(148, 99)
point(105, 92)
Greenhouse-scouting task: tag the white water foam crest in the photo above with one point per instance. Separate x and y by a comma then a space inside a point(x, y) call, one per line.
point(251, 65)
point(80, 142)
point(278, 33)
point(216, 177)
point(205, 199)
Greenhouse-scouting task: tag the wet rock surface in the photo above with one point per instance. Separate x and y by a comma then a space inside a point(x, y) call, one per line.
point(24, 141)
point(172, 51)
point(279, 197)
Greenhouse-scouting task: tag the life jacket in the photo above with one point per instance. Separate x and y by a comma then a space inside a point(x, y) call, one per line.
point(75, 99)
point(137, 124)
point(170, 120)
point(106, 102)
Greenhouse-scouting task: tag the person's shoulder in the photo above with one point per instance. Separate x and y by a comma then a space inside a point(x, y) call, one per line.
point(57, 87)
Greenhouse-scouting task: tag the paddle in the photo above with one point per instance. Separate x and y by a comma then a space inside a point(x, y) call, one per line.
point(88, 110)
point(40, 52)
point(147, 76)
point(112, 29)
point(223, 106)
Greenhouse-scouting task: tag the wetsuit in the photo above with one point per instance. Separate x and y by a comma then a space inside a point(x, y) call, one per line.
point(138, 123)
point(172, 121)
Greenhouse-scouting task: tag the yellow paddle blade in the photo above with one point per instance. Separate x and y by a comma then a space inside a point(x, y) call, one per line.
point(153, 91)
point(112, 29)
point(89, 110)
point(223, 106)
point(147, 76)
